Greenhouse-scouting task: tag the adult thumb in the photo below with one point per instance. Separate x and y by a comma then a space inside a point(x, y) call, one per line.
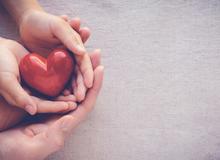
point(53, 138)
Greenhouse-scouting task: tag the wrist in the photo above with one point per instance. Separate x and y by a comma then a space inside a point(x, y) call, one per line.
point(26, 14)
point(18, 8)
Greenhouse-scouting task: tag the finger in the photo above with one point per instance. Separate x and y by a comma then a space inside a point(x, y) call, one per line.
point(70, 38)
point(66, 98)
point(75, 24)
point(14, 94)
point(94, 91)
point(85, 67)
point(79, 87)
point(66, 92)
point(95, 58)
point(87, 105)
point(73, 42)
point(46, 106)
point(64, 17)
point(84, 33)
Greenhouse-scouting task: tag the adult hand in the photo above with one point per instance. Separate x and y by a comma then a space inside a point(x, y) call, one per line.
point(37, 141)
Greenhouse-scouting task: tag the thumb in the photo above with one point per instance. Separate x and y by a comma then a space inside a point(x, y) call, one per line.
point(68, 37)
point(15, 95)
point(53, 138)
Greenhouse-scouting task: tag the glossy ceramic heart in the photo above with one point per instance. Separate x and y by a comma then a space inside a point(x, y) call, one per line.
point(47, 75)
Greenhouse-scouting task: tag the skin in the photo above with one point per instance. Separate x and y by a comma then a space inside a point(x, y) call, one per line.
point(38, 140)
point(78, 87)
point(16, 96)
point(41, 32)
point(10, 115)
point(55, 32)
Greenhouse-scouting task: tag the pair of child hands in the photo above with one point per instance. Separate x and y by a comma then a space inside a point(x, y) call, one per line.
point(42, 32)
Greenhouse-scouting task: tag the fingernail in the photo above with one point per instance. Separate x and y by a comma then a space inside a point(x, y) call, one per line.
point(65, 125)
point(30, 109)
point(81, 49)
point(72, 98)
point(66, 106)
point(72, 105)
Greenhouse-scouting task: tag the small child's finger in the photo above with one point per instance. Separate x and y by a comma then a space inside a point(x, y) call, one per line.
point(88, 104)
point(75, 24)
point(74, 86)
point(85, 66)
point(75, 107)
point(80, 88)
point(46, 106)
point(84, 33)
point(70, 97)
point(95, 58)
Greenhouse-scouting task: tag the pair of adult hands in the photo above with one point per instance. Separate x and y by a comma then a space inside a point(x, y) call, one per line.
point(37, 141)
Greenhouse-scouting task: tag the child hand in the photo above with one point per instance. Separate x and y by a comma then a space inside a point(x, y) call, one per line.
point(42, 32)
point(10, 88)
point(77, 86)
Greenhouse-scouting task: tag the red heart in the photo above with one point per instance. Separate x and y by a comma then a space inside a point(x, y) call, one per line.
point(47, 76)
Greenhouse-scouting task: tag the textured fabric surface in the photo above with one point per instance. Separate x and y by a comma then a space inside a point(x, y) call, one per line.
point(161, 94)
